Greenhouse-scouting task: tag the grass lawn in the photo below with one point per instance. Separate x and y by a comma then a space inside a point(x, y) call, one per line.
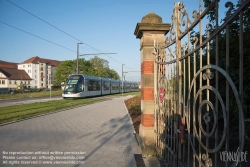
point(31, 94)
point(18, 112)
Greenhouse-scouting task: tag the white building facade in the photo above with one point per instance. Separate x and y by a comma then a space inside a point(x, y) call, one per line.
point(42, 71)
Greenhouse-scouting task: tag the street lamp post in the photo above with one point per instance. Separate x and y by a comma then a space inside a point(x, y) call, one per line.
point(122, 79)
point(123, 76)
point(50, 84)
point(77, 57)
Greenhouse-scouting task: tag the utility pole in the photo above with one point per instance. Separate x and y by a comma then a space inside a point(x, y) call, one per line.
point(77, 57)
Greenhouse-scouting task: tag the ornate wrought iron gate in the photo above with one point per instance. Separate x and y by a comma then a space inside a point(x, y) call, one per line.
point(199, 114)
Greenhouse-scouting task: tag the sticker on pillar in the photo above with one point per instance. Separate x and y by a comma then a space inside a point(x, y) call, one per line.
point(162, 94)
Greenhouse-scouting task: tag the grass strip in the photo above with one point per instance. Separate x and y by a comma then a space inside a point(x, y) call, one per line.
point(31, 94)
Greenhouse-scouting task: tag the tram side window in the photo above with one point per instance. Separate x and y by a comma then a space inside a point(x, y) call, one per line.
point(98, 86)
point(93, 85)
point(106, 85)
point(90, 85)
point(115, 86)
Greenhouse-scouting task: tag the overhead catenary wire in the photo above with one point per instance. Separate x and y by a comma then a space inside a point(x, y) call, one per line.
point(37, 36)
point(44, 21)
point(60, 31)
point(41, 38)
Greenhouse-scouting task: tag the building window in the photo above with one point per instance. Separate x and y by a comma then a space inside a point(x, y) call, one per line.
point(23, 65)
point(3, 82)
point(0, 82)
point(15, 82)
point(28, 82)
point(35, 76)
point(10, 82)
point(41, 84)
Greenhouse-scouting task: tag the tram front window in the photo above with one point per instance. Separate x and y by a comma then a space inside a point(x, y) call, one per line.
point(74, 84)
point(70, 88)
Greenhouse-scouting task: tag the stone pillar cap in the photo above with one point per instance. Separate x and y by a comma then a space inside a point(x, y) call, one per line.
point(152, 18)
point(151, 22)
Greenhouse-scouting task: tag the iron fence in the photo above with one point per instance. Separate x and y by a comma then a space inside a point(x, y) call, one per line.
point(201, 104)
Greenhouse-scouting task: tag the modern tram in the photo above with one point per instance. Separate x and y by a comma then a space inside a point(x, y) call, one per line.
point(79, 86)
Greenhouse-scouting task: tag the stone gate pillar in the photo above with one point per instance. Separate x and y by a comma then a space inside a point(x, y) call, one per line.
point(151, 28)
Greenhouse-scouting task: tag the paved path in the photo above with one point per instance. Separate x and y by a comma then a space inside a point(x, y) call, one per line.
point(103, 130)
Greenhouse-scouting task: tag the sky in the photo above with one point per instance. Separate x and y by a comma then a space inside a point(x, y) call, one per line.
point(51, 29)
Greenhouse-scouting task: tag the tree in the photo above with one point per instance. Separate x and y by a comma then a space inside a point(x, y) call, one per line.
point(63, 70)
point(234, 44)
point(234, 29)
point(94, 67)
point(101, 68)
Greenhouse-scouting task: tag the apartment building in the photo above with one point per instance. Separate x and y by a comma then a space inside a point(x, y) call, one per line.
point(41, 71)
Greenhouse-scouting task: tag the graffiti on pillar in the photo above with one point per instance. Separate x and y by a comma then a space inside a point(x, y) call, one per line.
point(162, 94)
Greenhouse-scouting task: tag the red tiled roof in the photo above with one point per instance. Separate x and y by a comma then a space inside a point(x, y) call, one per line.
point(4, 64)
point(36, 60)
point(15, 74)
point(32, 60)
point(53, 62)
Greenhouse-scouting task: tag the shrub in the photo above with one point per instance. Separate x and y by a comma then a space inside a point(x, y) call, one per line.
point(136, 108)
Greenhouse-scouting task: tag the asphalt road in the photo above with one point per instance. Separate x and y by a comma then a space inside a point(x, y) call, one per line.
point(11, 102)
